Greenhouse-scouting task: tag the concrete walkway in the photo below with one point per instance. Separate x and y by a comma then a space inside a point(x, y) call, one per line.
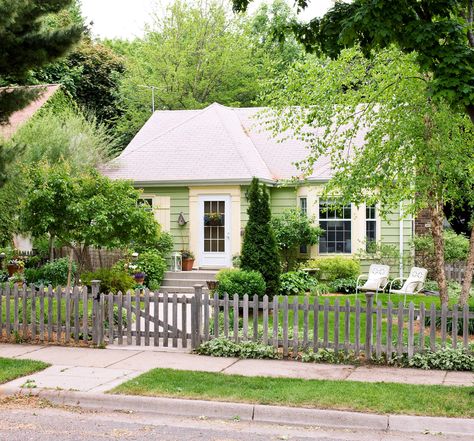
point(99, 370)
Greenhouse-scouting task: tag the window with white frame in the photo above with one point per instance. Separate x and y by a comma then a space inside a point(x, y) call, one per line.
point(303, 203)
point(336, 221)
point(370, 225)
point(146, 203)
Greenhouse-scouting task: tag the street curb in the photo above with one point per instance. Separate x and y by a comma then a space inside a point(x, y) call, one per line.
point(250, 412)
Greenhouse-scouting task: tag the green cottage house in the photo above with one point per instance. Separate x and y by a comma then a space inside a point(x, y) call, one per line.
point(193, 164)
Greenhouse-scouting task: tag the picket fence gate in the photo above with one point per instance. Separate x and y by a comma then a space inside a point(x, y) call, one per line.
point(79, 315)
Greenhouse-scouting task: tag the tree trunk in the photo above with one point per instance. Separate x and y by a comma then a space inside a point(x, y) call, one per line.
point(51, 248)
point(466, 286)
point(470, 112)
point(438, 240)
point(69, 268)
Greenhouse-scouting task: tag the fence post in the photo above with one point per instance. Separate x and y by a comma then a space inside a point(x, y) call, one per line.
point(95, 284)
point(196, 316)
point(368, 325)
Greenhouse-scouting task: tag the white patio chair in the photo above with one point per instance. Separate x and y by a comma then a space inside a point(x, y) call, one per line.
point(413, 285)
point(376, 280)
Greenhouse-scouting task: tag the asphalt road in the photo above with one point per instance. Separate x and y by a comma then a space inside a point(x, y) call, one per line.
point(34, 420)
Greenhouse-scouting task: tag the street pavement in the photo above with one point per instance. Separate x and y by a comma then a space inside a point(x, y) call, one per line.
point(21, 423)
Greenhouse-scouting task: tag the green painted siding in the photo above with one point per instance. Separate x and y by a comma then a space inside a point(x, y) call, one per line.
point(281, 199)
point(244, 205)
point(179, 202)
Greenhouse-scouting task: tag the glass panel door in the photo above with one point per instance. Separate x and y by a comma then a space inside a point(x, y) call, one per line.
point(214, 227)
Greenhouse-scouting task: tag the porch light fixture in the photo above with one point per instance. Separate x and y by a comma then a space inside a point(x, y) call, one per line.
point(176, 262)
point(181, 220)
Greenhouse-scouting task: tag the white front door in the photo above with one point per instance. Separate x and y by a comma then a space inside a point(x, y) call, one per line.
point(214, 236)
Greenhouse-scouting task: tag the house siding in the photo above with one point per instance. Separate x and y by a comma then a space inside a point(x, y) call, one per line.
point(281, 199)
point(179, 203)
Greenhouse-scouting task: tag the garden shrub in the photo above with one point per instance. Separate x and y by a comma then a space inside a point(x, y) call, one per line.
point(320, 289)
point(111, 280)
point(344, 286)
point(296, 282)
point(52, 273)
point(449, 323)
point(332, 268)
point(444, 359)
point(240, 282)
point(222, 347)
point(153, 264)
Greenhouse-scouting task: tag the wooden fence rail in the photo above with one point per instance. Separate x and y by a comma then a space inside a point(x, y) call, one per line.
point(81, 316)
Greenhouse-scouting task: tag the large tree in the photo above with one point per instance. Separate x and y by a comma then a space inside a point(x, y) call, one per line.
point(416, 149)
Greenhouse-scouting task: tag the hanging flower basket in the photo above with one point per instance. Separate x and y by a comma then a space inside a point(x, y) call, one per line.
point(213, 220)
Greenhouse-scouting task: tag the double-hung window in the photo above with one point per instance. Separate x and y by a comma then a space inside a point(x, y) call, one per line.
point(303, 203)
point(336, 221)
point(370, 225)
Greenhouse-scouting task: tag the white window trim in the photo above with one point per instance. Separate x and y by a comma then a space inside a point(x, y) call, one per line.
point(353, 210)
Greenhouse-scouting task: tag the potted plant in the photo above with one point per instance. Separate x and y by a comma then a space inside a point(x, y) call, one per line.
point(18, 279)
point(15, 266)
point(187, 260)
point(213, 219)
point(139, 277)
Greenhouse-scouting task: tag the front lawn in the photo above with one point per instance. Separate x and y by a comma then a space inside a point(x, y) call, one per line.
point(381, 398)
point(10, 368)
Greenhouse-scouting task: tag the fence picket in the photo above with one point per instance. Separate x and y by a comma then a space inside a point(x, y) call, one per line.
point(184, 306)
point(400, 330)
point(50, 313)
point(454, 330)
point(255, 317)
point(285, 326)
point(138, 336)
point(295, 326)
point(421, 341)
point(24, 319)
point(85, 313)
point(33, 311)
point(305, 322)
point(265, 320)
point(146, 315)
point(206, 305)
point(465, 326)
point(120, 318)
point(444, 319)
point(102, 320)
point(378, 330)
point(226, 315)
point(7, 310)
point(59, 322)
point(315, 324)
point(357, 328)
point(433, 327)
point(156, 318)
point(165, 320)
point(129, 318)
point(1, 311)
point(389, 329)
point(41, 316)
point(216, 315)
point(246, 317)
point(76, 314)
point(336, 325)
point(326, 324)
point(110, 304)
point(411, 333)
point(175, 321)
point(275, 322)
point(236, 318)
point(67, 327)
point(15, 308)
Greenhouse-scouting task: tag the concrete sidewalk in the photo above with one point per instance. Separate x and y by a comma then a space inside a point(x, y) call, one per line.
point(98, 370)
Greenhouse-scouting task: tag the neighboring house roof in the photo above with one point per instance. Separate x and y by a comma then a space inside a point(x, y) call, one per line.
point(20, 117)
point(215, 144)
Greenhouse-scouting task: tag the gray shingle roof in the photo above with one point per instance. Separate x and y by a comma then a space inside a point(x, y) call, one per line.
point(215, 144)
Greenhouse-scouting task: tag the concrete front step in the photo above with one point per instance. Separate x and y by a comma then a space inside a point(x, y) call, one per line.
point(194, 275)
point(184, 282)
point(181, 289)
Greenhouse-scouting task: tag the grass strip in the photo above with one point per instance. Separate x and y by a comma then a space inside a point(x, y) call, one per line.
point(12, 368)
point(382, 398)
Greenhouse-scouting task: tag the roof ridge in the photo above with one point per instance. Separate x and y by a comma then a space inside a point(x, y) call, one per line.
point(199, 112)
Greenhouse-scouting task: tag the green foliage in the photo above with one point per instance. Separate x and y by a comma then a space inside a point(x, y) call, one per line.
point(443, 359)
point(321, 289)
point(449, 323)
point(456, 247)
point(85, 210)
point(259, 249)
point(111, 280)
point(296, 282)
point(222, 347)
point(52, 273)
point(328, 356)
point(154, 265)
point(332, 268)
point(292, 229)
point(240, 282)
point(344, 286)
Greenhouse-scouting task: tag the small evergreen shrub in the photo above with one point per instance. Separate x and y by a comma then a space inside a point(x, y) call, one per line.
point(222, 347)
point(332, 268)
point(111, 280)
point(296, 282)
point(240, 282)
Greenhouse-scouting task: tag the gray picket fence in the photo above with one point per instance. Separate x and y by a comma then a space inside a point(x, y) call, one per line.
point(82, 316)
